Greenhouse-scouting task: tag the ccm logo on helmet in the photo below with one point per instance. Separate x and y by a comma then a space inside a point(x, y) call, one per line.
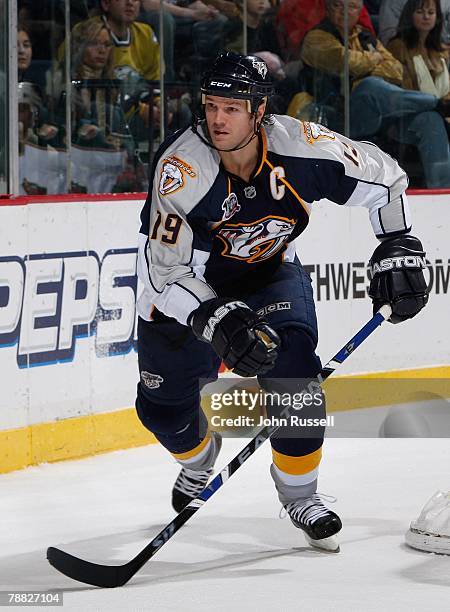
point(391, 263)
point(219, 84)
point(218, 315)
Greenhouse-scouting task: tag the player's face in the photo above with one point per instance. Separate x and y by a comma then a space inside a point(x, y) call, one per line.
point(122, 11)
point(229, 122)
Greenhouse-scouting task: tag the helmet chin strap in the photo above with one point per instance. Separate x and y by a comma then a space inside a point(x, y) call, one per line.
point(209, 143)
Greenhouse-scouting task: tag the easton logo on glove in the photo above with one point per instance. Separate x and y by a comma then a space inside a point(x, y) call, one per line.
point(241, 338)
point(392, 263)
point(219, 314)
point(397, 277)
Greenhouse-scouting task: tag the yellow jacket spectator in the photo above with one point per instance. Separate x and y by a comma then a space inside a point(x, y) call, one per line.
point(323, 48)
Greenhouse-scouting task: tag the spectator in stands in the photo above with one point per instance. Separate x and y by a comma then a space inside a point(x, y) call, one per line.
point(136, 61)
point(296, 17)
point(37, 136)
point(373, 8)
point(262, 41)
point(33, 117)
point(2, 130)
point(390, 12)
point(97, 118)
point(29, 111)
point(226, 7)
point(376, 100)
point(178, 21)
point(46, 22)
point(103, 151)
point(24, 52)
point(285, 79)
point(135, 45)
point(419, 48)
point(261, 35)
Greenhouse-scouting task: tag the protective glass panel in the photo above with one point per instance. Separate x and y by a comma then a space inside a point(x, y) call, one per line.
point(41, 99)
point(367, 74)
point(333, 61)
point(42, 138)
point(183, 31)
point(3, 97)
point(256, 30)
point(120, 109)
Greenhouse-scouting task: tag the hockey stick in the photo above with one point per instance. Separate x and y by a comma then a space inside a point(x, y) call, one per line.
point(118, 575)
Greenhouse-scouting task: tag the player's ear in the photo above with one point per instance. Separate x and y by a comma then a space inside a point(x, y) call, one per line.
point(261, 110)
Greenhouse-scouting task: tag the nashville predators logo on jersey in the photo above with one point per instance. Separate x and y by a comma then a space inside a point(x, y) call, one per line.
point(257, 241)
point(315, 131)
point(172, 175)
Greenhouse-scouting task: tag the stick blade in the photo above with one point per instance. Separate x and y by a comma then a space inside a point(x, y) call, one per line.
point(106, 576)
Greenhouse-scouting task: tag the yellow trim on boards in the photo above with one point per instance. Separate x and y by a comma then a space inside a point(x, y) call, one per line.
point(440, 371)
point(71, 439)
point(376, 389)
point(100, 433)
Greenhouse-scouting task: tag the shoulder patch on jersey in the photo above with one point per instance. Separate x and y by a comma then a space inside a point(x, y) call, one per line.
point(315, 131)
point(172, 174)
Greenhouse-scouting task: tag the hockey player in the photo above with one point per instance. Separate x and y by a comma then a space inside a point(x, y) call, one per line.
point(227, 199)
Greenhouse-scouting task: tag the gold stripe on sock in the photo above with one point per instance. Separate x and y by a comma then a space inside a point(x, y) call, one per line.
point(297, 465)
point(195, 451)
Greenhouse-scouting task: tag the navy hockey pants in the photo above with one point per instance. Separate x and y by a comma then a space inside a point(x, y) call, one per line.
point(172, 360)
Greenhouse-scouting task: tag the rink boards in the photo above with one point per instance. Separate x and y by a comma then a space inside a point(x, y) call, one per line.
point(68, 324)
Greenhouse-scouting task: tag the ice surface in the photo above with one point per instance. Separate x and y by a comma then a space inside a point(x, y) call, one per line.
point(235, 553)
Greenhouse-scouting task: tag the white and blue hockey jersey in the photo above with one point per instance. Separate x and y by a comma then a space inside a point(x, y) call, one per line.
point(206, 232)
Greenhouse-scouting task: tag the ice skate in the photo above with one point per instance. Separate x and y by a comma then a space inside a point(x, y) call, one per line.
point(431, 531)
point(319, 524)
point(190, 483)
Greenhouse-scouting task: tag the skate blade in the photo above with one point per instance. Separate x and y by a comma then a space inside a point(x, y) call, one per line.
point(329, 544)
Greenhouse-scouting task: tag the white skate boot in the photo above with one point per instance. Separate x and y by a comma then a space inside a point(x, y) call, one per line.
point(431, 531)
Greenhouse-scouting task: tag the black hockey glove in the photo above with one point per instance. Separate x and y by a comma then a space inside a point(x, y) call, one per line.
point(397, 277)
point(242, 339)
